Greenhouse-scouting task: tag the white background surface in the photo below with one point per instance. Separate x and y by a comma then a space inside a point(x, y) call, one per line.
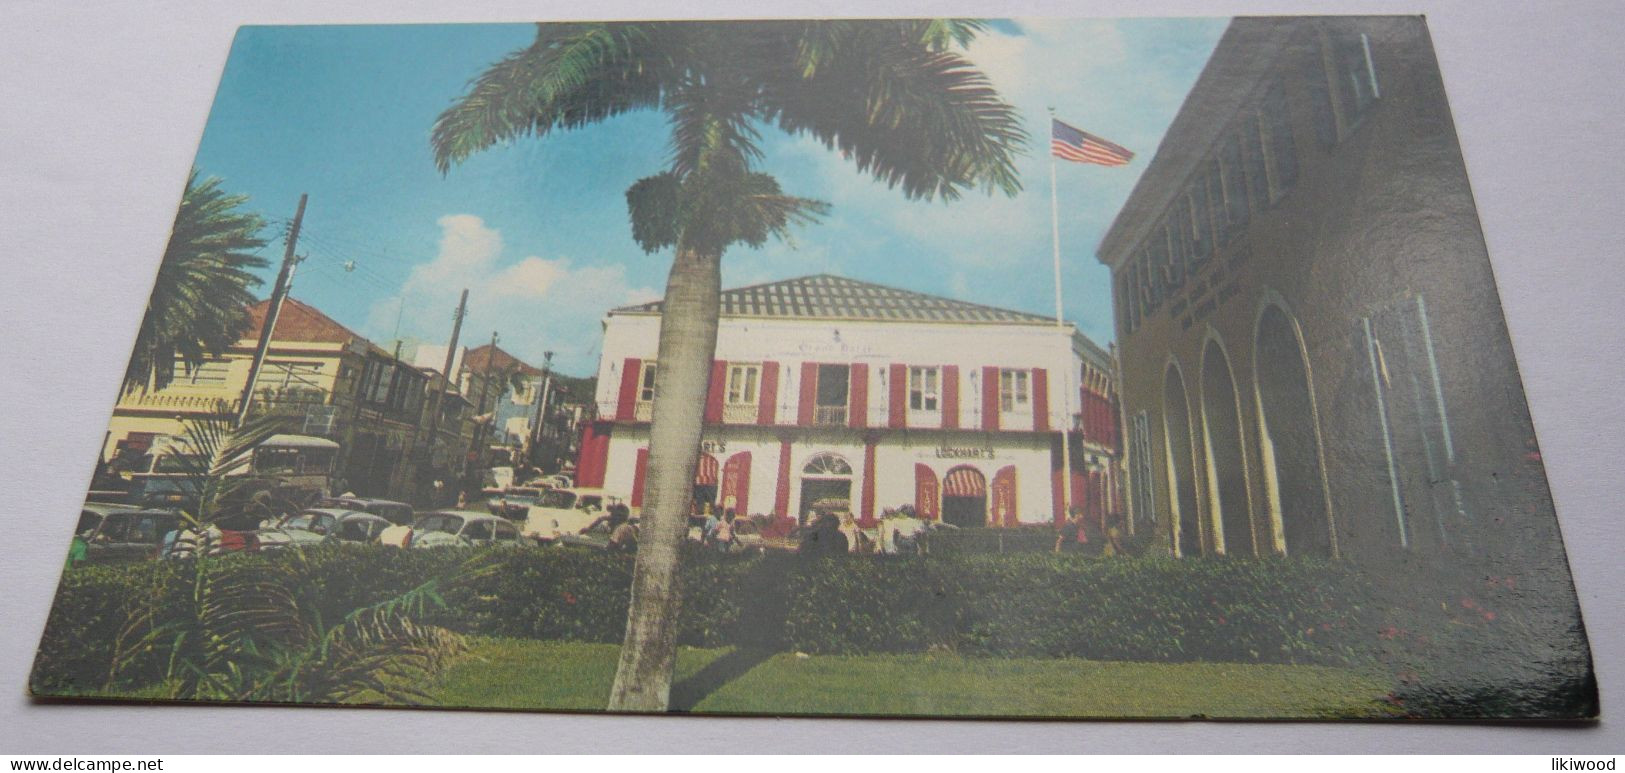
point(101, 108)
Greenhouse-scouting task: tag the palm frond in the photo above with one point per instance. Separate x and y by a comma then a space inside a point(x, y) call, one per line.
point(199, 300)
point(572, 75)
point(922, 120)
point(219, 450)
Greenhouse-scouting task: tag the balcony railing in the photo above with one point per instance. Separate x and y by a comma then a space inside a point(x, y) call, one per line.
point(739, 413)
point(829, 415)
point(644, 411)
point(177, 402)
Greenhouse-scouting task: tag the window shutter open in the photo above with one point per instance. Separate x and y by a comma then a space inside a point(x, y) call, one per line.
point(770, 394)
point(713, 396)
point(1040, 400)
point(897, 397)
point(627, 402)
point(857, 415)
point(990, 398)
point(950, 397)
point(809, 394)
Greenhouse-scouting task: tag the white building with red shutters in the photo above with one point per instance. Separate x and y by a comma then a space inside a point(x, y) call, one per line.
point(834, 394)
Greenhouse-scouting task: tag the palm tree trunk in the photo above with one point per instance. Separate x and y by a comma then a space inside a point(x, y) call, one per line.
point(688, 342)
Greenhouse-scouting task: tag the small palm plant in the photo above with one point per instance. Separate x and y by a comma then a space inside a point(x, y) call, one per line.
point(238, 627)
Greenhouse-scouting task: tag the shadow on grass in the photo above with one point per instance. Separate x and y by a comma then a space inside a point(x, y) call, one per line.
point(687, 694)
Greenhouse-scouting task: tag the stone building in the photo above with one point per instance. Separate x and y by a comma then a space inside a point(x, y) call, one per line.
point(1312, 351)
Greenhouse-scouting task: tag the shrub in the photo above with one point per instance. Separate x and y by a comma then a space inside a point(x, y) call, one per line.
point(1423, 624)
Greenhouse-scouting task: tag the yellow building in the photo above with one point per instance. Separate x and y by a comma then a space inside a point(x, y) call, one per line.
point(326, 379)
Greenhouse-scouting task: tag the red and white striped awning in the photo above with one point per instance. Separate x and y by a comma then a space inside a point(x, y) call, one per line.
point(705, 473)
point(964, 482)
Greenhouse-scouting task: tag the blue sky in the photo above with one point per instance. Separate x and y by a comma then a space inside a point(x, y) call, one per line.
point(538, 231)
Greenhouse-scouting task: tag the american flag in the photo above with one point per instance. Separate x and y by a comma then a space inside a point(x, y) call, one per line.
point(1074, 144)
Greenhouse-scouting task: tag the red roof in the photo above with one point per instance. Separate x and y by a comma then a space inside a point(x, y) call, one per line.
point(299, 322)
point(480, 359)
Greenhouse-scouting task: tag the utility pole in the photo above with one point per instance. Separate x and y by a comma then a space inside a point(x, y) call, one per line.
point(273, 309)
point(485, 389)
point(541, 406)
point(435, 397)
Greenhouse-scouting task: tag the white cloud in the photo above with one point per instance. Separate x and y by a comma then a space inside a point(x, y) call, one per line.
point(536, 304)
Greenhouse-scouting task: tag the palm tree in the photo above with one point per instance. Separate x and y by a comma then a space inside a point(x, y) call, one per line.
point(199, 302)
point(894, 97)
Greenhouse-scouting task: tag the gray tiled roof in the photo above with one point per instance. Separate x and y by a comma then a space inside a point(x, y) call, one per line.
point(823, 296)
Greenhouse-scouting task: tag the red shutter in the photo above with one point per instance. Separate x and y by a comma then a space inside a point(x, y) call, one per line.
point(638, 474)
point(626, 404)
point(990, 398)
point(866, 507)
point(713, 397)
point(897, 400)
point(950, 397)
point(781, 486)
point(736, 484)
point(1040, 400)
point(765, 409)
point(857, 412)
point(1003, 500)
point(593, 456)
point(927, 492)
point(809, 394)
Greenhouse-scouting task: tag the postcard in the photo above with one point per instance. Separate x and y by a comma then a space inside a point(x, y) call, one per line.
point(782, 367)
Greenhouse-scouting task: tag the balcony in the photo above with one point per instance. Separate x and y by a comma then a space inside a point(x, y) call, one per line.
point(643, 411)
point(829, 415)
point(739, 413)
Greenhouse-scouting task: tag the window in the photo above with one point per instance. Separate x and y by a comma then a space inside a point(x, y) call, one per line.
point(830, 400)
point(1161, 244)
point(1157, 273)
point(1140, 468)
point(1356, 75)
point(1014, 394)
point(923, 387)
point(742, 383)
point(832, 385)
point(1201, 227)
point(1252, 145)
point(1280, 150)
point(1218, 230)
point(646, 384)
point(1234, 185)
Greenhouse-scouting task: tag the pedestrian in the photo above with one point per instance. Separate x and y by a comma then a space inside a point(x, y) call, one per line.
point(623, 535)
point(723, 537)
point(825, 538)
point(1071, 535)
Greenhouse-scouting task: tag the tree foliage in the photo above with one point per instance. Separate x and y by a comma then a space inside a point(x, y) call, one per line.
point(199, 302)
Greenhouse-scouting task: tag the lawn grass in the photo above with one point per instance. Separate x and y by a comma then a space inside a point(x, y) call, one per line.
point(523, 674)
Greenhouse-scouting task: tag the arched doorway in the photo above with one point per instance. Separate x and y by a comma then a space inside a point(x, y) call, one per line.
point(1288, 437)
point(964, 498)
point(1176, 436)
point(826, 486)
point(1226, 469)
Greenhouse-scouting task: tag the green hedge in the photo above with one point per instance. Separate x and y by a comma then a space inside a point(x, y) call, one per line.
point(1418, 626)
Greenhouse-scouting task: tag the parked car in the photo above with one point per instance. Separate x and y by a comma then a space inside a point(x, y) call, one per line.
point(395, 512)
point(465, 528)
point(564, 511)
point(118, 532)
point(514, 502)
point(319, 525)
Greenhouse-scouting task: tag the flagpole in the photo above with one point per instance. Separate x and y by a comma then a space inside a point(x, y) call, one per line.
point(1066, 379)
